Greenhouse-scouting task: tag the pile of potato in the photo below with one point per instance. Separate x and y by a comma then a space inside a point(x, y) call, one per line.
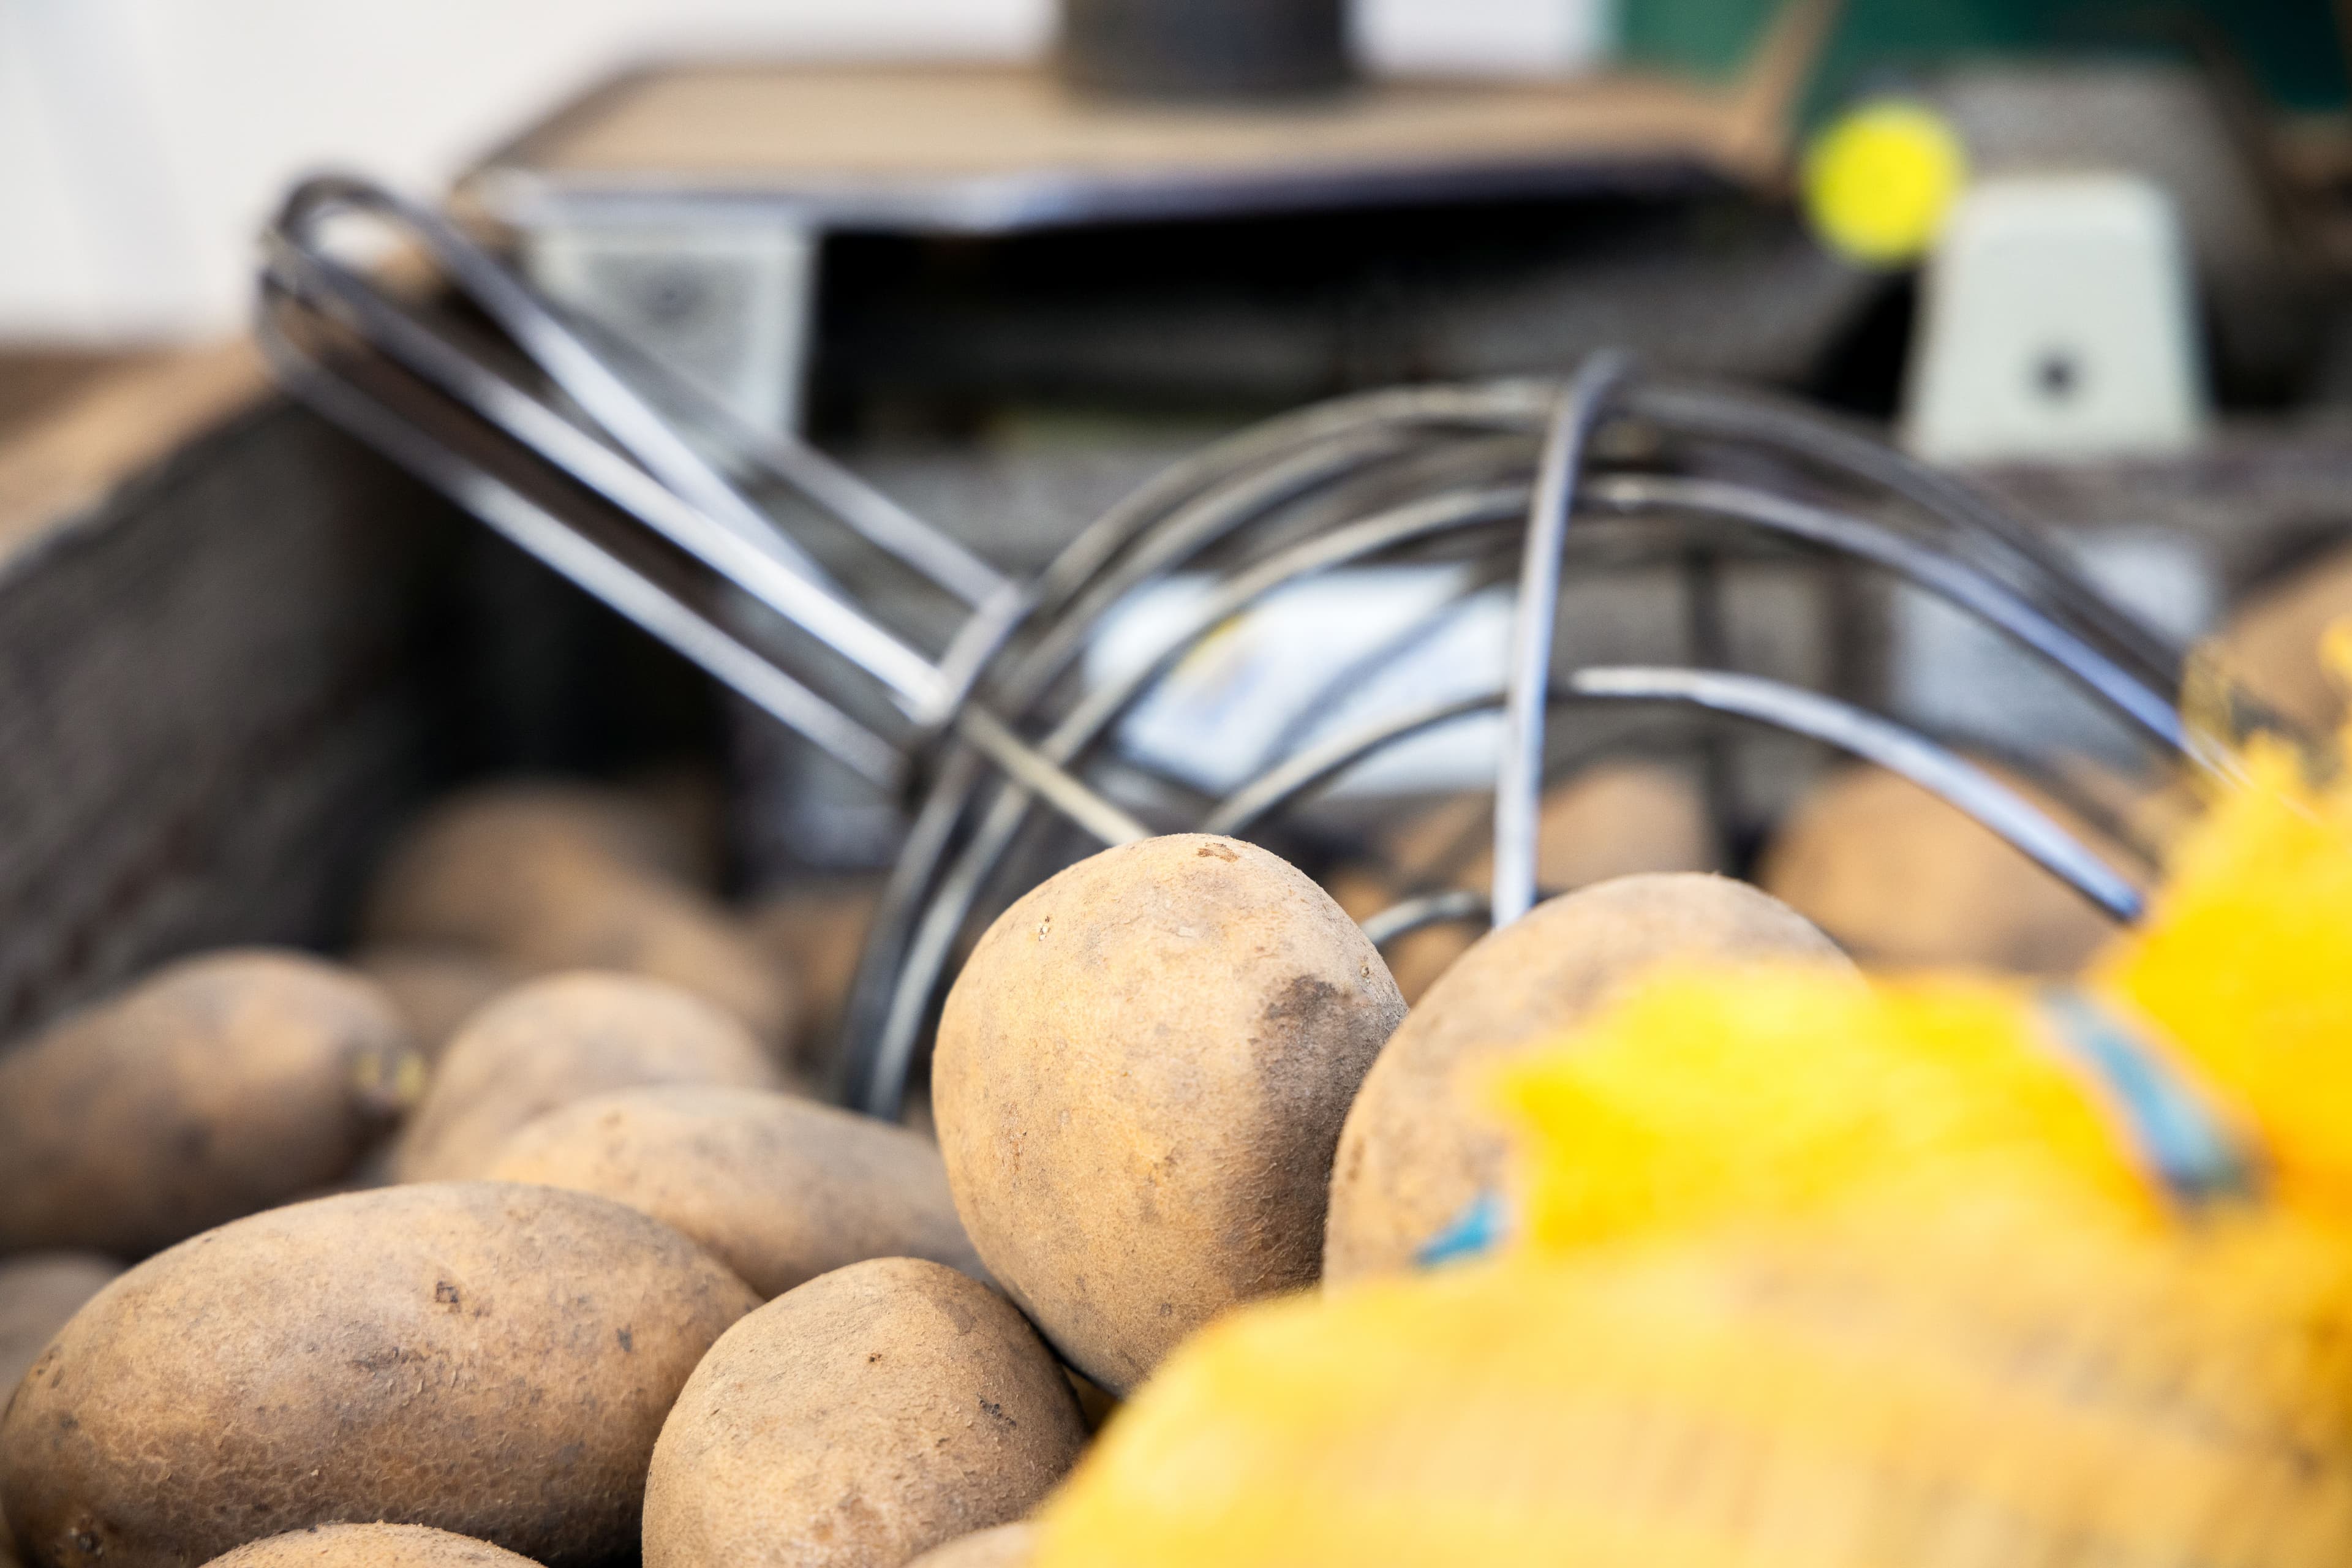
point(520, 1238)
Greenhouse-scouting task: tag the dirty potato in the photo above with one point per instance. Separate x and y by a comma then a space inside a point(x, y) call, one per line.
point(556, 1040)
point(1417, 1149)
point(487, 1359)
point(1140, 1080)
point(864, 1418)
point(371, 1546)
point(779, 1188)
point(217, 1086)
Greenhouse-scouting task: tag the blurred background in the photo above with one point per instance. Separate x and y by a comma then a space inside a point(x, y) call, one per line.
point(142, 142)
point(1009, 259)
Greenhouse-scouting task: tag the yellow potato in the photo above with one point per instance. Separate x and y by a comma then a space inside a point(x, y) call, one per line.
point(1419, 1148)
point(488, 1359)
point(1141, 1077)
point(563, 1039)
point(779, 1188)
point(217, 1086)
point(371, 1546)
point(870, 1414)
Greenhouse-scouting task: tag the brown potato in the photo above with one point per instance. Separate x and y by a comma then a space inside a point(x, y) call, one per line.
point(816, 931)
point(1903, 879)
point(2271, 644)
point(436, 989)
point(487, 1359)
point(779, 1188)
point(551, 878)
point(556, 1040)
point(1141, 1077)
point(443, 868)
point(869, 1415)
point(1417, 1151)
point(1011, 1545)
point(217, 1086)
point(371, 1546)
point(1617, 818)
point(40, 1291)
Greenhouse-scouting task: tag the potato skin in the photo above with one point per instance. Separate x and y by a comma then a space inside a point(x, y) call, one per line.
point(488, 1359)
point(1416, 1149)
point(1006, 1546)
point(816, 932)
point(370, 1546)
point(552, 876)
point(1902, 879)
point(1615, 818)
point(436, 989)
point(556, 1040)
point(779, 1188)
point(872, 1414)
point(1141, 1077)
point(40, 1291)
point(219, 1085)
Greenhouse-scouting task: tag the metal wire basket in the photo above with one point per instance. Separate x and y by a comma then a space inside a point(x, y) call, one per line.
point(972, 701)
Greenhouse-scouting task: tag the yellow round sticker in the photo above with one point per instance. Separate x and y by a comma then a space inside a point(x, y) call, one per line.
point(1879, 180)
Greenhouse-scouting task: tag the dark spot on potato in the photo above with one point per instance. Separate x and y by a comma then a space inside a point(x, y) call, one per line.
point(628, 1340)
point(1303, 999)
point(445, 1294)
point(1215, 852)
point(873, 1357)
point(996, 1412)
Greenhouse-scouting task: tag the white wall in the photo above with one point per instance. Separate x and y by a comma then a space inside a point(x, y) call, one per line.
point(142, 141)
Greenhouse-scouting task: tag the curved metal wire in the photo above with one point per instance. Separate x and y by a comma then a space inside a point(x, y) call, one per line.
point(1519, 769)
point(1002, 734)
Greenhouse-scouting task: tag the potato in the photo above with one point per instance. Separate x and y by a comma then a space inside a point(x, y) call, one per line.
point(371, 1546)
point(553, 878)
point(39, 1292)
point(436, 989)
point(1141, 1077)
point(1417, 1150)
point(1901, 878)
point(217, 1086)
point(1006, 1546)
point(864, 1417)
point(1616, 818)
point(2271, 644)
point(779, 1188)
point(487, 1359)
point(816, 932)
point(563, 1039)
point(447, 858)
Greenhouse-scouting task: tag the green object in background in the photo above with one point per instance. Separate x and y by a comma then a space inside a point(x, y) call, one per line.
point(2291, 48)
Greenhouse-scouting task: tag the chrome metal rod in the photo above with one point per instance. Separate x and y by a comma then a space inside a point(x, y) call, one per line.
point(1519, 769)
point(1957, 582)
point(604, 575)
